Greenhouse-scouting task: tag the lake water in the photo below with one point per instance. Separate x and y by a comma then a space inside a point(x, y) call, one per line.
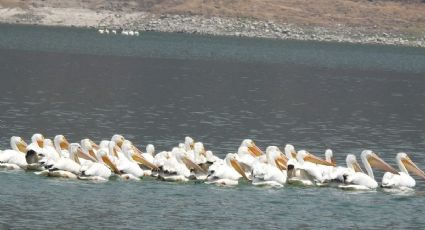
point(158, 87)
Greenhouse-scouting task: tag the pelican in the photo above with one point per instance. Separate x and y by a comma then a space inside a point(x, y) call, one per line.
point(273, 172)
point(124, 32)
point(306, 171)
point(131, 33)
point(114, 31)
point(102, 169)
point(227, 172)
point(248, 153)
point(61, 145)
point(106, 31)
point(252, 147)
point(138, 157)
point(150, 152)
point(118, 139)
point(49, 150)
point(136, 33)
point(402, 179)
point(189, 143)
point(178, 166)
point(290, 152)
point(336, 174)
point(37, 143)
point(14, 158)
point(101, 31)
point(362, 181)
point(161, 157)
point(326, 170)
point(126, 160)
point(89, 148)
point(65, 167)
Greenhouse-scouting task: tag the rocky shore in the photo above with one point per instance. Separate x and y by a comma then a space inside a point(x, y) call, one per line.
point(195, 24)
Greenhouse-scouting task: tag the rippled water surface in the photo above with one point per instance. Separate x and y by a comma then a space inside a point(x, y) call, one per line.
point(159, 87)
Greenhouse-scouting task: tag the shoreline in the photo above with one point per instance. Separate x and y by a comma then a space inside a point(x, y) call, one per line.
point(196, 24)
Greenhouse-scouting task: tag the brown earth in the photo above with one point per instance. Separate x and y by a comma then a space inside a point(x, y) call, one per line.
point(402, 16)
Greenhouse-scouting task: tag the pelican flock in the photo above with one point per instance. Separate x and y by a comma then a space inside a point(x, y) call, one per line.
point(120, 31)
point(190, 160)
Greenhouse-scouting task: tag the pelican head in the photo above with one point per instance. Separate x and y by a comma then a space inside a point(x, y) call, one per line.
point(407, 164)
point(232, 161)
point(252, 148)
point(199, 148)
point(182, 157)
point(18, 144)
point(48, 142)
point(104, 144)
point(119, 139)
point(102, 154)
point(87, 146)
point(189, 143)
point(113, 149)
point(75, 152)
point(39, 139)
point(61, 142)
point(150, 149)
point(329, 156)
point(352, 163)
point(303, 155)
point(290, 151)
point(134, 154)
point(370, 158)
point(276, 158)
point(126, 145)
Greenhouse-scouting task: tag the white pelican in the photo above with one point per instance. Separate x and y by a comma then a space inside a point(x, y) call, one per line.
point(65, 167)
point(248, 153)
point(124, 32)
point(273, 172)
point(131, 33)
point(89, 148)
point(178, 166)
point(138, 157)
point(336, 174)
point(252, 147)
point(106, 31)
point(362, 181)
point(161, 157)
point(136, 33)
point(126, 163)
point(189, 143)
point(290, 152)
point(118, 139)
point(14, 158)
point(37, 143)
point(306, 171)
point(101, 31)
point(61, 145)
point(49, 150)
point(114, 31)
point(402, 179)
point(227, 172)
point(150, 152)
point(101, 170)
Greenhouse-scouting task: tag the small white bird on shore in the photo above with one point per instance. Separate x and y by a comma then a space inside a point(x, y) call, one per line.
point(106, 31)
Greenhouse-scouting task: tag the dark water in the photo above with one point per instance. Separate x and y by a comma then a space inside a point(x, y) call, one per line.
point(157, 88)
